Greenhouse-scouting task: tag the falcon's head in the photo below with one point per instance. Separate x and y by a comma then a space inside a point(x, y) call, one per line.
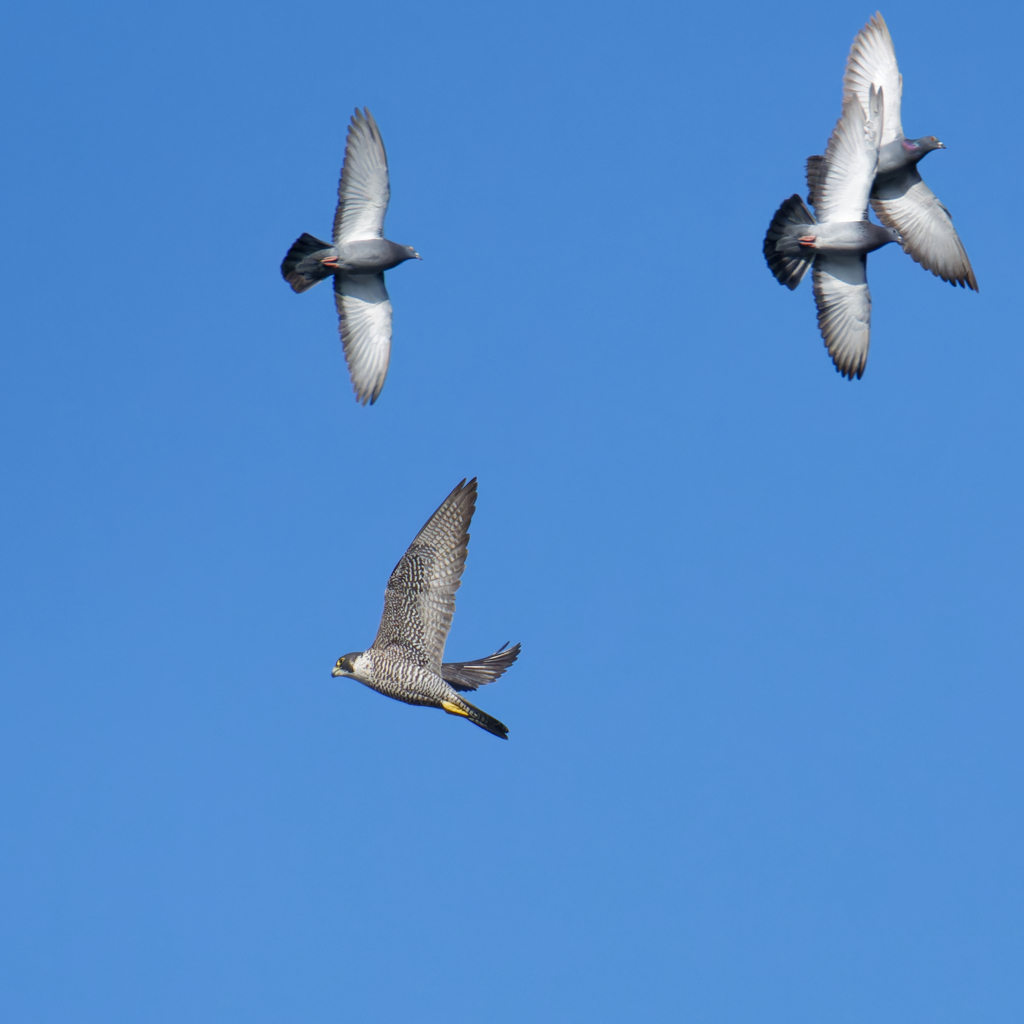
point(346, 665)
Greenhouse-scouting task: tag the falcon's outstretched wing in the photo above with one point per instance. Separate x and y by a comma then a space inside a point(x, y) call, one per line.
point(363, 191)
point(420, 599)
point(844, 309)
point(872, 62)
point(364, 322)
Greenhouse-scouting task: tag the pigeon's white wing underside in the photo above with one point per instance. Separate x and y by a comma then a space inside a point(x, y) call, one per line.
point(844, 310)
point(420, 599)
point(363, 191)
point(926, 227)
point(850, 162)
point(872, 61)
point(364, 320)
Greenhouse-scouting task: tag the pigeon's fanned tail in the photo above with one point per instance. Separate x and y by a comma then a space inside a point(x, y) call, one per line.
point(468, 675)
point(788, 267)
point(298, 269)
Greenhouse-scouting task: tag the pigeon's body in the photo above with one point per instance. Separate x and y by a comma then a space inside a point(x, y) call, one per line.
point(899, 196)
point(356, 258)
point(859, 236)
point(404, 661)
point(837, 243)
point(362, 256)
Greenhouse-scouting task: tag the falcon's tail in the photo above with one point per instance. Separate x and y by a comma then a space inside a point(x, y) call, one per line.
point(788, 266)
point(468, 675)
point(477, 717)
point(299, 269)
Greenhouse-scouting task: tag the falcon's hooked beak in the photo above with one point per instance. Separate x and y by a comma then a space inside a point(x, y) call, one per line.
point(336, 672)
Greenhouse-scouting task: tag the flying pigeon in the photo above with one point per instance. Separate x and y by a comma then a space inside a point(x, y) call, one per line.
point(837, 243)
point(899, 197)
point(404, 662)
point(357, 258)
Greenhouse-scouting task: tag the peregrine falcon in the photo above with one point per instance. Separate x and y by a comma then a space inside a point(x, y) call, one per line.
point(357, 258)
point(404, 661)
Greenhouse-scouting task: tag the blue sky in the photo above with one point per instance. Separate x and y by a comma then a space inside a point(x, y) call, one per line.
point(765, 758)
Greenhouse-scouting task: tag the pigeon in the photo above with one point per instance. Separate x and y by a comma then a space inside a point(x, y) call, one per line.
point(404, 662)
point(899, 197)
point(837, 243)
point(357, 258)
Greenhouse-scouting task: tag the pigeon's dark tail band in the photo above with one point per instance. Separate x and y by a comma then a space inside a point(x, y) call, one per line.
point(300, 271)
point(788, 267)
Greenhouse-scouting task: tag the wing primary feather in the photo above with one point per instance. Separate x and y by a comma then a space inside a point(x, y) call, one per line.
point(420, 598)
point(364, 189)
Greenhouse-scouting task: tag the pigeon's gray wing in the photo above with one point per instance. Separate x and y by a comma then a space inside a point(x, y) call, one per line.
point(872, 62)
point(844, 309)
point(363, 191)
point(364, 321)
point(907, 204)
point(468, 675)
point(815, 170)
point(843, 185)
point(420, 599)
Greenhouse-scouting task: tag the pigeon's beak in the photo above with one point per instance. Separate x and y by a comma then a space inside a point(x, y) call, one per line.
point(417, 256)
point(939, 145)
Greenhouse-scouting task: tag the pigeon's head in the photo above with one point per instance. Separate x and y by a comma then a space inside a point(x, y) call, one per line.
point(921, 147)
point(896, 236)
point(346, 665)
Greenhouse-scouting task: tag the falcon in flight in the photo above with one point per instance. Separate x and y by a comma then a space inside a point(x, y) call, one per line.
point(357, 258)
point(404, 662)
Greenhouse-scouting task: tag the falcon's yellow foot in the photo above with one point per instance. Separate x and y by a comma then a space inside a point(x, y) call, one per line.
point(453, 709)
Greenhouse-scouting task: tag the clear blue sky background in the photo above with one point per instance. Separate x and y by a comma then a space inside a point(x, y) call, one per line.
point(765, 759)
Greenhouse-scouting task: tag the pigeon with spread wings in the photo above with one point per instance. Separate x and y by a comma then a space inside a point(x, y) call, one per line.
point(899, 196)
point(357, 258)
point(838, 242)
point(404, 662)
